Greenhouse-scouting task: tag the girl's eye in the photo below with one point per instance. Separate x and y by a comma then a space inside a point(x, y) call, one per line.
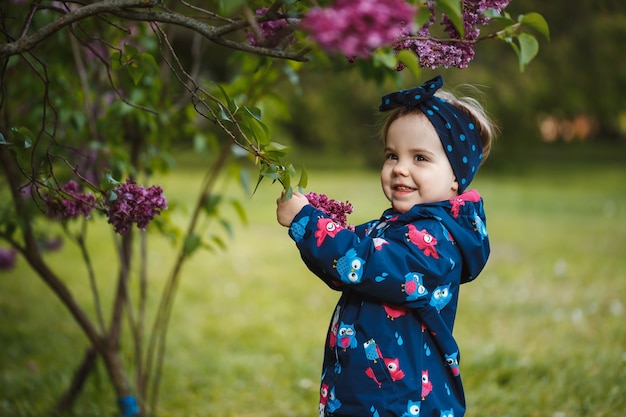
point(420, 158)
point(390, 156)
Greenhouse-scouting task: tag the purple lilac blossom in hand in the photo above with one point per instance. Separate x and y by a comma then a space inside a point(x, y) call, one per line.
point(336, 210)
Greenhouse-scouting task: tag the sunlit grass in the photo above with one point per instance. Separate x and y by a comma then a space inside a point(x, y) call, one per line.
point(541, 330)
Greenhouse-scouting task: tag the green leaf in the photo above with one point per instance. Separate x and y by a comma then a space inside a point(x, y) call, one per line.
point(304, 180)
point(23, 135)
point(192, 243)
point(136, 72)
point(411, 61)
point(452, 8)
point(211, 204)
point(528, 49)
point(230, 103)
point(240, 210)
point(230, 6)
point(276, 149)
point(537, 22)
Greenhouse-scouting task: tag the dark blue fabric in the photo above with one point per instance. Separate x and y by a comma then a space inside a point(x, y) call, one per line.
point(390, 349)
point(458, 134)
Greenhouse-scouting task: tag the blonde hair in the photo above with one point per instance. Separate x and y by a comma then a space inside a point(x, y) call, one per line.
point(468, 105)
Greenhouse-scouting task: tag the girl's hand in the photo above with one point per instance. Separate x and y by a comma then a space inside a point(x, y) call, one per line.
point(287, 209)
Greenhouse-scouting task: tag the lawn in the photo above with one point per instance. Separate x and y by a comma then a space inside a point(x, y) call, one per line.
point(541, 331)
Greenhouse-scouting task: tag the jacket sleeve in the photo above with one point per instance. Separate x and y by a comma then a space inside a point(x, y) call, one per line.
point(393, 269)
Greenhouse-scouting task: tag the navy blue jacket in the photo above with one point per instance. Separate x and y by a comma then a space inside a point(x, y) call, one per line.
point(390, 349)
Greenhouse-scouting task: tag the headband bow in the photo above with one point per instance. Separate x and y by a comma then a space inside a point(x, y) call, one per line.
point(458, 134)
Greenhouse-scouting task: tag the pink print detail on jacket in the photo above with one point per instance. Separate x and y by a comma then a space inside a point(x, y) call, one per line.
point(457, 202)
point(423, 240)
point(326, 227)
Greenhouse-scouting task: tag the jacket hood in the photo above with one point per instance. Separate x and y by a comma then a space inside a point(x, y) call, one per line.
point(465, 221)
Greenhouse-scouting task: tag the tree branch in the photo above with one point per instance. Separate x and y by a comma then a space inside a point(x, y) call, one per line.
point(26, 43)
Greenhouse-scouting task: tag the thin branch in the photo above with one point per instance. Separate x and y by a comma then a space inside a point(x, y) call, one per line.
point(213, 33)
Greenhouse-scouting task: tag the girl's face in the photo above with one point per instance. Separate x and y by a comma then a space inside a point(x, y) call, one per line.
point(416, 169)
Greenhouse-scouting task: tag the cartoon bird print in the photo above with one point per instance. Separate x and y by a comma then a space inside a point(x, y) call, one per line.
point(453, 362)
point(447, 413)
point(346, 336)
point(427, 386)
point(379, 242)
point(326, 227)
point(393, 312)
point(334, 329)
point(413, 286)
point(393, 366)
point(333, 402)
point(350, 267)
point(371, 350)
point(441, 297)
point(323, 399)
point(479, 226)
point(299, 228)
point(412, 409)
point(423, 240)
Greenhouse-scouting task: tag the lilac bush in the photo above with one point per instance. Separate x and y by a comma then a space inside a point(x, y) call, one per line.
point(69, 202)
point(134, 204)
point(357, 27)
point(456, 52)
point(273, 32)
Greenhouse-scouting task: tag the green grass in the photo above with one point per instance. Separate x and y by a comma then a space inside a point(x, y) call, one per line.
point(541, 331)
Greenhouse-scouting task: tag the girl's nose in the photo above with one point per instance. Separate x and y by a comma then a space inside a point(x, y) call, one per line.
point(401, 168)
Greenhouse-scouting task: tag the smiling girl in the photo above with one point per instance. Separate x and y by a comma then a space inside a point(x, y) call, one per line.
point(390, 349)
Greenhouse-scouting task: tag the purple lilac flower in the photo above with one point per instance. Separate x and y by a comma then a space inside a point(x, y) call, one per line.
point(8, 258)
point(134, 204)
point(357, 27)
point(273, 31)
point(334, 209)
point(69, 202)
point(433, 54)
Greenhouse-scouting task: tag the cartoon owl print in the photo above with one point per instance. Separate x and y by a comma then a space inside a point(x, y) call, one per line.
point(453, 362)
point(423, 240)
point(326, 227)
point(427, 386)
point(299, 228)
point(371, 350)
point(323, 399)
point(333, 402)
point(393, 366)
point(413, 286)
point(346, 337)
point(447, 413)
point(350, 267)
point(441, 297)
point(412, 409)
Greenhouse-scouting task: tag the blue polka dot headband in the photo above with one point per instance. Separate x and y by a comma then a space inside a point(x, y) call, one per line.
point(457, 132)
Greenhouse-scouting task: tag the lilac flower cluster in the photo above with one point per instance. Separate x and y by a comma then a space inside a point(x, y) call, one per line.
point(452, 53)
point(334, 209)
point(134, 204)
point(273, 32)
point(69, 203)
point(357, 27)
point(8, 258)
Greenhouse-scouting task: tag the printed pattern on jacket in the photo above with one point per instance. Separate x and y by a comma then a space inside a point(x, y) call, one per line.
point(390, 349)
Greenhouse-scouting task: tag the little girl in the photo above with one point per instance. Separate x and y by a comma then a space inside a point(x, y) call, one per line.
point(390, 349)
